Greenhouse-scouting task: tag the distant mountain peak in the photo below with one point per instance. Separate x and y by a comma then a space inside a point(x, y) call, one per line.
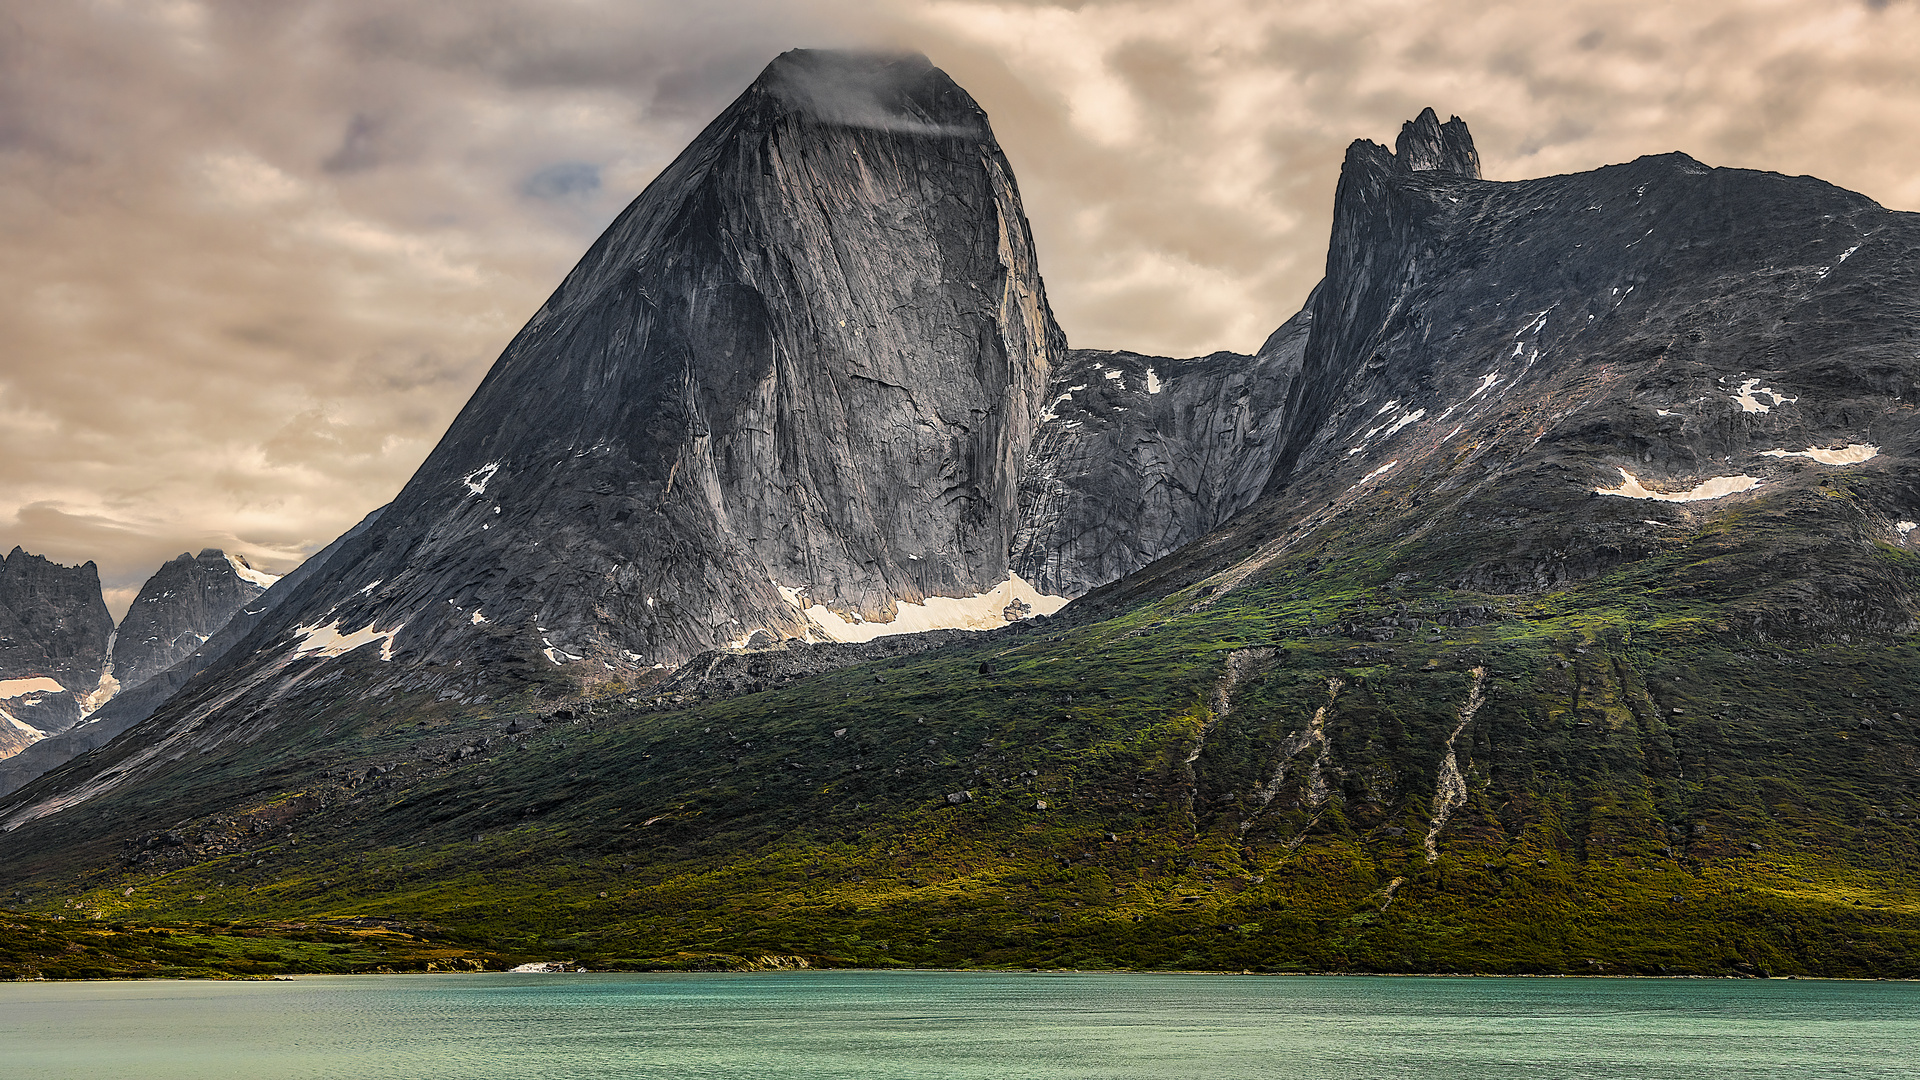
point(1427, 145)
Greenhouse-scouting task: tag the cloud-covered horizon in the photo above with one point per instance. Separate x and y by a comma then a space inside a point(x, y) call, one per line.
point(258, 255)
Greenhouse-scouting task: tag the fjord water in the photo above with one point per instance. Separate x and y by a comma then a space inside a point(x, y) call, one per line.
point(904, 1025)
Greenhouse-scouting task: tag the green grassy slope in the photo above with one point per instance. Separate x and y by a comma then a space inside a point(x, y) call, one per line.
point(1241, 781)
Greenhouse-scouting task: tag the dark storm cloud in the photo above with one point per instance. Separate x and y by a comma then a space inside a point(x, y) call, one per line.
point(259, 253)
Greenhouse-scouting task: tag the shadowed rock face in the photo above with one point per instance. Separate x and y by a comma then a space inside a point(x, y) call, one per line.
point(1511, 388)
point(1427, 145)
point(178, 609)
point(809, 356)
point(1139, 455)
point(54, 629)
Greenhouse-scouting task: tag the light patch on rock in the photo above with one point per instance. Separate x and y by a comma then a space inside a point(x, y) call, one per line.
point(328, 641)
point(1394, 425)
point(557, 654)
point(1844, 256)
point(1048, 413)
point(248, 573)
point(1376, 472)
point(1450, 787)
point(1850, 454)
point(108, 685)
point(1486, 384)
point(1411, 418)
point(1631, 488)
point(476, 618)
point(369, 587)
point(983, 611)
point(39, 684)
point(28, 732)
point(1750, 392)
point(1153, 381)
point(476, 480)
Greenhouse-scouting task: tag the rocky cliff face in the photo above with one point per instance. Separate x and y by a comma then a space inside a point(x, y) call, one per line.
point(799, 372)
point(54, 634)
point(789, 394)
point(1137, 456)
point(1513, 515)
point(178, 609)
point(1515, 387)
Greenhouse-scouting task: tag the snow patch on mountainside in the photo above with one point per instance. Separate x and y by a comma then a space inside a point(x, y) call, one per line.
point(1746, 397)
point(39, 684)
point(249, 574)
point(1631, 488)
point(328, 641)
point(1851, 454)
point(983, 611)
point(476, 480)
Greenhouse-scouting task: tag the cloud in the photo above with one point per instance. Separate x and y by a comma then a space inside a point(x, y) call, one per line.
point(259, 254)
point(566, 180)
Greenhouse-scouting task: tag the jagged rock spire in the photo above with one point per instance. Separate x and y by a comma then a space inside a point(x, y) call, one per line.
point(1427, 145)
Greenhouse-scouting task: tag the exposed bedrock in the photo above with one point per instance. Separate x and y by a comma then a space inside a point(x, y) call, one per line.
point(809, 357)
point(178, 609)
point(1515, 387)
point(1137, 456)
point(54, 635)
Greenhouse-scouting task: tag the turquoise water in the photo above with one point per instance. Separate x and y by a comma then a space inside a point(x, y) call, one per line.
point(906, 1025)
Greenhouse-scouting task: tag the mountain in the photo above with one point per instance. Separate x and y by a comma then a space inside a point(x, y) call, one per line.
point(788, 396)
point(787, 392)
point(180, 610)
point(54, 637)
point(1516, 388)
point(1539, 600)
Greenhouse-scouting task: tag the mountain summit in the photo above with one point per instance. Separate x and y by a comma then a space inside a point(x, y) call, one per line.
point(789, 388)
point(1427, 145)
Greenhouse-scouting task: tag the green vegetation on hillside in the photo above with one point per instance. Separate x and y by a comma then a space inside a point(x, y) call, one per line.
point(1639, 792)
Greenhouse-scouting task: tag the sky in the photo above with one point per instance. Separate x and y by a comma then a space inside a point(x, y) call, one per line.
point(255, 254)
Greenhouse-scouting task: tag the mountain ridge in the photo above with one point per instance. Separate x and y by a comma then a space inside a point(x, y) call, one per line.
point(1549, 610)
point(181, 606)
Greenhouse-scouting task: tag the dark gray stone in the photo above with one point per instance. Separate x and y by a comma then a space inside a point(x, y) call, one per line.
point(178, 609)
point(810, 355)
point(54, 625)
point(134, 704)
point(1137, 456)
